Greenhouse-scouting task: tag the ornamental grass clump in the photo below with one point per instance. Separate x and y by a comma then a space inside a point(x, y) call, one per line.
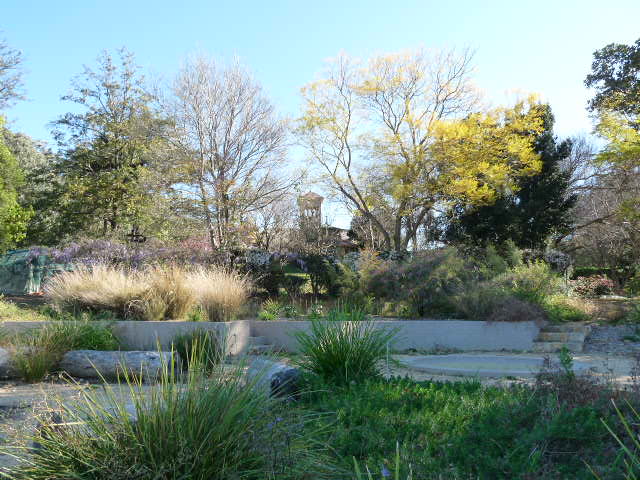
point(99, 288)
point(169, 294)
point(344, 346)
point(220, 293)
point(195, 427)
point(156, 293)
point(37, 352)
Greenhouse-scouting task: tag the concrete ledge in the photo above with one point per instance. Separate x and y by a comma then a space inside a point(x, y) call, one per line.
point(413, 334)
point(422, 334)
point(141, 335)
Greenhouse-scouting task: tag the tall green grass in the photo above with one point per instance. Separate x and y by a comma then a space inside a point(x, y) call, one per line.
point(36, 352)
point(195, 427)
point(344, 346)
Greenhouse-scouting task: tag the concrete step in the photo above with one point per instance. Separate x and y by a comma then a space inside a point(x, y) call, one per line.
point(258, 341)
point(566, 327)
point(554, 347)
point(562, 337)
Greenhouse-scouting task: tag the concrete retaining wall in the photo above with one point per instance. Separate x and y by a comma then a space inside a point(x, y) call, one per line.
point(413, 334)
point(423, 334)
point(139, 335)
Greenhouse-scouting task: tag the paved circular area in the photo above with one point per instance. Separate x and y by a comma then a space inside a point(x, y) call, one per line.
point(485, 365)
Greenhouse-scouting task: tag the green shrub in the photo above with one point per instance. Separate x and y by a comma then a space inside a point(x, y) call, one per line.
point(344, 347)
point(214, 427)
point(561, 309)
point(479, 300)
point(427, 282)
point(532, 282)
point(323, 273)
point(289, 311)
point(270, 310)
point(633, 285)
point(293, 284)
point(200, 347)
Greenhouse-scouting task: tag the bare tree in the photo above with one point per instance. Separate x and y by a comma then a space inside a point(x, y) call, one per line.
point(230, 144)
point(10, 75)
point(275, 222)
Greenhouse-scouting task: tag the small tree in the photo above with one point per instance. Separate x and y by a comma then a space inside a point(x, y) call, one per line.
point(107, 146)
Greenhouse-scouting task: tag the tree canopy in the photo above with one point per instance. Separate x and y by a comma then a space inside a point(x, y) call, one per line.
point(538, 207)
point(405, 132)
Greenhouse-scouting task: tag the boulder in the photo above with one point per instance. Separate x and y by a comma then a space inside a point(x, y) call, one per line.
point(275, 378)
point(111, 364)
point(7, 370)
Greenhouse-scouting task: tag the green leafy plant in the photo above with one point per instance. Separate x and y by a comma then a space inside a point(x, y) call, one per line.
point(316, 311)
point(344, 347)
point(289, 311)
point(270, 310)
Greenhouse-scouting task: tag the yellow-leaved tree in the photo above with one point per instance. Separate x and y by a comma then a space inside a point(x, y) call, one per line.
point(401, 134)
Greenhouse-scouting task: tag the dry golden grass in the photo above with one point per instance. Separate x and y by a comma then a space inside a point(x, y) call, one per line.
point(98, 288)
point(160, 293)
point(220, 293)
point(169, 294)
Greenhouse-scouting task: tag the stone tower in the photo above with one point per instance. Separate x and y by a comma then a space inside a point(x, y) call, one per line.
point(310, 205)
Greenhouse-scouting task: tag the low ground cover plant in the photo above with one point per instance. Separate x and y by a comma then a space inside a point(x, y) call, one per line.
point(158, 293)
point(36, 352)
point(466, 430)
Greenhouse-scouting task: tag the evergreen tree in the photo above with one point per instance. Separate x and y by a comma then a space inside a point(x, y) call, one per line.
point(538, 209)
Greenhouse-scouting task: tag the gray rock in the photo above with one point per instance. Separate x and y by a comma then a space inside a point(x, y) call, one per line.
point(111, 364)
point(275, 378)
point(7, 369)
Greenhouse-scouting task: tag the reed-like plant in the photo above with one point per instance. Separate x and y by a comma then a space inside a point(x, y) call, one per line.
point(160, 293)
point(169, 294)
point(36, 352)
point(197, 427)
point(344, 346)
point(385, 473)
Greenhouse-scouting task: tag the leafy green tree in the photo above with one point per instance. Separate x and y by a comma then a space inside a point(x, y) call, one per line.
point(13, 217)
point(41, 189)
point(107, 147)
point(539, 206)
point(615, 75)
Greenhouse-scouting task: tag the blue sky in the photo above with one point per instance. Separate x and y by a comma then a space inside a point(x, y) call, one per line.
point(527, 46)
